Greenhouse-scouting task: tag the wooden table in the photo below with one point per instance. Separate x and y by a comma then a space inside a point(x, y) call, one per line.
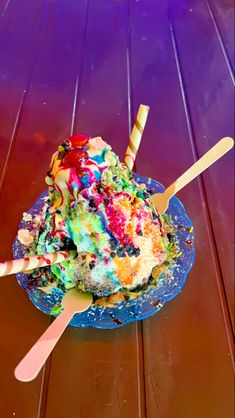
point(85, 66)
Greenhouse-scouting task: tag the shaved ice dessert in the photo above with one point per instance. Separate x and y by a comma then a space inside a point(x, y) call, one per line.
point(95, 207)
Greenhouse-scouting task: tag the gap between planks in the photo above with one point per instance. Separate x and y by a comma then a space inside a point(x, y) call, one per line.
point(5, 7)
point(221, 42)
point(142, 406)
point(211, 235)
point(77, 89)
point(21, 103)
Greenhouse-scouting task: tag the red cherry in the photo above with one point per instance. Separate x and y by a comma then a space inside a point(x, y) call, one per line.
point(78, 140)
point(74, 157)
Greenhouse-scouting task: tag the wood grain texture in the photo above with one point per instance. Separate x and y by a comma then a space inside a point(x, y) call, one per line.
point(100, 370)
point(85, 66)
point(211, 109)
point(4, 4)
point(103, 367)
point(45, 120)
point(102, 100)
point(222, 14)
point(19, 324)
point(20, 28)
point(181, 368)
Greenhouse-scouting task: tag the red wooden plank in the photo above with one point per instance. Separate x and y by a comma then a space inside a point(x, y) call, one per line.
point(16, 324)
point(188, 365)
point(95, 373)
point(20, 26)
point(45, 120)
point(102, 369)
point(211, 101)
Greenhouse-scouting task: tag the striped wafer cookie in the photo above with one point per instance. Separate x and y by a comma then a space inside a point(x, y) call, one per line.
point(136, 136)
point(33, 262)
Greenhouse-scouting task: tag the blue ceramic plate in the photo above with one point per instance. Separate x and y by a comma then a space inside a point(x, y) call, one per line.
point(152, 298)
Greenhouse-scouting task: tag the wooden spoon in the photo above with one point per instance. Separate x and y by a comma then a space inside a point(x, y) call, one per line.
point(161, 200)
point(73, 301)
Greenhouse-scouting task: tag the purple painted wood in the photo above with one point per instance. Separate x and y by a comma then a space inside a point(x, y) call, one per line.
point(222, 14)
point(178, 342)
point(19, 36)
point(87, 66)
point(102, 100)
point(4, 4)
point(211, 111)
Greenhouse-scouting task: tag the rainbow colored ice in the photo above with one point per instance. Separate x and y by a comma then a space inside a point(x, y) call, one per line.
point(96, 207)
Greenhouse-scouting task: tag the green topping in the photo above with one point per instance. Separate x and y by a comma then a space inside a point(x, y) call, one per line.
point(56, 310)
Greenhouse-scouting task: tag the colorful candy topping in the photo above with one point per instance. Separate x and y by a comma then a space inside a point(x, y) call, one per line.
point(96, 207)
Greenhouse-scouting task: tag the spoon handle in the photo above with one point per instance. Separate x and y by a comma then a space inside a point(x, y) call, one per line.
point(216, 152)
point(31, 364)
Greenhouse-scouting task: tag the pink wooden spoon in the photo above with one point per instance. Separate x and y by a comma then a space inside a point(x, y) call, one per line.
point(161, 200)
point(73, 302)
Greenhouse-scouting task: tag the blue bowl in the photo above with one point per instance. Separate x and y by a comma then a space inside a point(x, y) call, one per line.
point(152, 298)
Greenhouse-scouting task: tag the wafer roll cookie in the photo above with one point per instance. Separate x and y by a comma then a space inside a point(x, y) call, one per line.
point(136, 136)
point(33, 262)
